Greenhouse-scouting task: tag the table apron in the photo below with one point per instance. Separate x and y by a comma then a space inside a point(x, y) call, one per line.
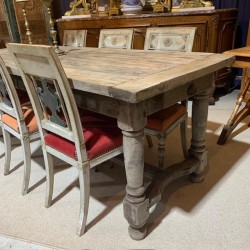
point(110, 106)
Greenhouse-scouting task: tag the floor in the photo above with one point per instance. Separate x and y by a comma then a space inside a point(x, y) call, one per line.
point(224, 103)
point(8, 243)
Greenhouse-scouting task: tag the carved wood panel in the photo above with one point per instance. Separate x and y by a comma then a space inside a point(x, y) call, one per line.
point(36, 18)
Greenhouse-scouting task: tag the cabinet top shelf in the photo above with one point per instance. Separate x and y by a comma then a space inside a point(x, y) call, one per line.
point(151, 14)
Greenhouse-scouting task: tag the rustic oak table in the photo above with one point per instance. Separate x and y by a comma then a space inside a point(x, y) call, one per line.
point(131, 84)
point(242, 61)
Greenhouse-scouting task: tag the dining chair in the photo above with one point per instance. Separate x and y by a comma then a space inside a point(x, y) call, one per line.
point(17, 119)
point(82, 138)
point(74, 38)
point(116, 38)
point(163, 122)
point(170, 38)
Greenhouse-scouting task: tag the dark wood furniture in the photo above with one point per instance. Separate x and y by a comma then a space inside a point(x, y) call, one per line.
point(215, 30)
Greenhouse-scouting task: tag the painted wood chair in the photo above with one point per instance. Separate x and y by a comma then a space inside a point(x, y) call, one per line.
point(116, 38)
point(163, 122)
point(17, 119)
point(170, 39)
point(74, 38)
point(83, 139)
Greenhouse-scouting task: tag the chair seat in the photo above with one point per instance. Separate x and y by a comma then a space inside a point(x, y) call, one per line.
point(101, 135)
point(163, 119)
point(29, 116)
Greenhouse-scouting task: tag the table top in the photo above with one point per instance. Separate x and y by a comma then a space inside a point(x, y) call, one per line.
point(245, 51)
point(132, 75)
point(242, 57)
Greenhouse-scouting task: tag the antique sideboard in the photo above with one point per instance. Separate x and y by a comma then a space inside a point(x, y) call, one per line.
point(215, 30)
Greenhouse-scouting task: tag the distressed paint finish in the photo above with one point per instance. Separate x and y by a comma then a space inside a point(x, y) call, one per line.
point(116, 38)
point(131, 84)
point(75, 38)
point(170, 39)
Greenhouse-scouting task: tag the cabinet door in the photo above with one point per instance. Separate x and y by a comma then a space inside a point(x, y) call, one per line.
point(225, 41)
point(36, 19)
point(4, 33)
point(227, 29)
point(248, 35)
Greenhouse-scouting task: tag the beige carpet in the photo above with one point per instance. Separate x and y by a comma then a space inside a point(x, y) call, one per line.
point(212, 215)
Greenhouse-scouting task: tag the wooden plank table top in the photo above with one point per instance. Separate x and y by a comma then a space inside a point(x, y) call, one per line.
point(133, 75)
point(129, 85)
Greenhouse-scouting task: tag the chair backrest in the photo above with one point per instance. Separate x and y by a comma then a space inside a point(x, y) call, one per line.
point(116, 38)
point(9, 100)
point(74, 38)
point(50, 93)
point(170, 39)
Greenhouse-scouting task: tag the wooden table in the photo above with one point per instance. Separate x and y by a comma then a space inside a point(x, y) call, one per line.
point(242, 61)
point(131, 84)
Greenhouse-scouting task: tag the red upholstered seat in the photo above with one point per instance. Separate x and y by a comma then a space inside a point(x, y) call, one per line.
point(101, 135)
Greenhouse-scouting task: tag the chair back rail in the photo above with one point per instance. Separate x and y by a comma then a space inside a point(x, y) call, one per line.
point(170, 38)
point(9, 100)
point(74, 38)
point(17, 119)
point(116, 38)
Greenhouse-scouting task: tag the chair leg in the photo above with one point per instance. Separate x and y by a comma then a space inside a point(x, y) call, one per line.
point(84, 180)
point(48, 160)
point(7, 149)
point(149, 141)
point(183, 130)
point(27, 164)
point(161, 149)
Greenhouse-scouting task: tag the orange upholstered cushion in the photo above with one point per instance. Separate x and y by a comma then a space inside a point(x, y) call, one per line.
point(163, 119)
point(29, 116)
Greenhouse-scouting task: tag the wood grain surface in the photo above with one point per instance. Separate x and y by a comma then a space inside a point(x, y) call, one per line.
point(136, 75)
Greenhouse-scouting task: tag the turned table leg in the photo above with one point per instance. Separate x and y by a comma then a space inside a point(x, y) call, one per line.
point(132, 120)
point(199, 125)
